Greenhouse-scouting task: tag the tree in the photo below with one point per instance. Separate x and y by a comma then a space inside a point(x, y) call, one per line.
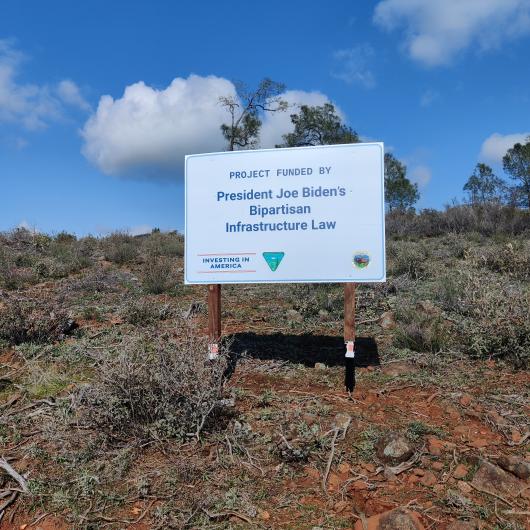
point(484, 186)
point(516, 162)
point(245, 110)
point(400, 192)
point(318, 125)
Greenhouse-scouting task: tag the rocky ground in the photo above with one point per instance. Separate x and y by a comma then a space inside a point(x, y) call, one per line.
point(431, 437)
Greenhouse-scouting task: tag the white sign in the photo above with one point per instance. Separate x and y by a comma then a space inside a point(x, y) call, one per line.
point(307, 214)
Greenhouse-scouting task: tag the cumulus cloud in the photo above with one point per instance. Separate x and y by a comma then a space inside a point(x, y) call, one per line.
point(70, 94)
point(276, 124)
point(146, 132)
point(421, 175)
point(495, 146)
point(437, 30)
point(353, 65)
point(30, 105)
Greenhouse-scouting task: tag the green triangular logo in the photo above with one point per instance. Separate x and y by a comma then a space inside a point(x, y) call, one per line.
point(273, 259)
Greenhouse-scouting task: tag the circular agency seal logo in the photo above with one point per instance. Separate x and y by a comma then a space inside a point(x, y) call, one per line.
point(361, 260)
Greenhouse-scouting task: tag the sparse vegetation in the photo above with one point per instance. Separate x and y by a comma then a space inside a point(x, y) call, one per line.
point(128, 409)
point(153, 387)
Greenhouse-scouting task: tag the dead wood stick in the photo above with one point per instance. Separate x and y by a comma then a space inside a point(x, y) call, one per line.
point(492, 494)
point(228, 513)
point(330, 460)
point(10, 500)
point(39, 519)
point(17, 476)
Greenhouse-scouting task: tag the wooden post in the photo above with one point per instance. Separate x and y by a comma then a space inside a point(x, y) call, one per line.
point(349, 335)
point(214, 320)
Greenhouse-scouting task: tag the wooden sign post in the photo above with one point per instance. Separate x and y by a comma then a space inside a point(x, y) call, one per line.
point(214, 320)
point(294, 215)
point(349, 335)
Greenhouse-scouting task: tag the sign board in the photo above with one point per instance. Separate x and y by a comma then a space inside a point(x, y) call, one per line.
point(307, 214)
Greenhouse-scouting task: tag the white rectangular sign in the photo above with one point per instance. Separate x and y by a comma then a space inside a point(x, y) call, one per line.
point(307, 214)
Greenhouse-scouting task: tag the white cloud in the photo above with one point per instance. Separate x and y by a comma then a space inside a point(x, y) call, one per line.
point(69, 92)
point(352, 65)
point(30, 105)
point(276, 124)
point(421, 175)
point(147, 132)
point(496, 145)
point(437, 30)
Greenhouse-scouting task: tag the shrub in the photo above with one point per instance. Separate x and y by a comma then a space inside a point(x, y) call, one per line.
point(310, 300)
point(121, 248)
point(169, 245)
point(486, 219)
point(495, 318)
point(24, 320)
point(422, 328)
point(144, 312)
point(512, 258)
point(407, 257)
point(158, 275)
point(154, 387)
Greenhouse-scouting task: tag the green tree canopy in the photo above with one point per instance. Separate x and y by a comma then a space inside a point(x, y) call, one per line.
point(318, 125)
point(400, 192)
point(245, 110)
point(484, 186)
point(516, 162)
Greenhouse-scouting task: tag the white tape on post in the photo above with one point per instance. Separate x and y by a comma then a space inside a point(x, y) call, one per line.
point(213, 351)
point(350, 351)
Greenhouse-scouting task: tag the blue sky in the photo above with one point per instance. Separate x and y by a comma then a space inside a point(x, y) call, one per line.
point(444, 83)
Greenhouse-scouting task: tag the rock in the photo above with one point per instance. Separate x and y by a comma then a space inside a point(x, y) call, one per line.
point(294, 316)
point(464, 487)
point(398, 519)
point(460, 471)
point(342, 421)
point(466, 400)
point(387, 320)
point(393, 448)
point(492, 478)
point(429, 479)
point(437, 466)
point(434, 446)
point(320, 366)
point(398, 368)
point(515, 465)
point(264, 515)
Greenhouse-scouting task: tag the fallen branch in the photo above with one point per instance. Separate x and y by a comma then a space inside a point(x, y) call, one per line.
point(396, 470)
point(230, 513)
point(492, 494)
point(17, 476)
point(10, 500)
point(330, 460)
point(38, 520)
